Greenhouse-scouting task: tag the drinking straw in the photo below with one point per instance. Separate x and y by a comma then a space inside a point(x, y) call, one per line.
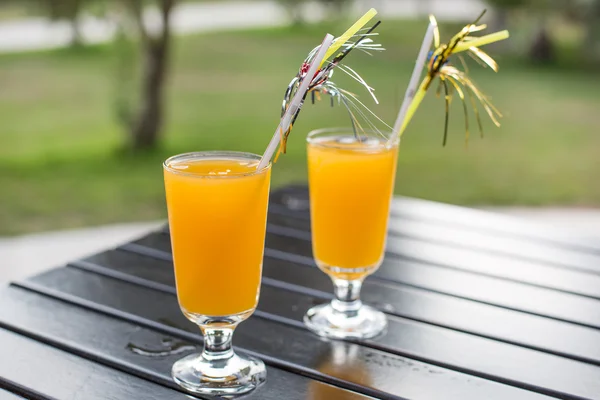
point(411, 90)
point(296, 101)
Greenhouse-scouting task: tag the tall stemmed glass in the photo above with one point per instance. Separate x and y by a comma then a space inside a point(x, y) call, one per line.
point(217, 204)
point(351, 182)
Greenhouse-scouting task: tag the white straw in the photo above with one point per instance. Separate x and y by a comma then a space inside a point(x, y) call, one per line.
point(296, 102)
point(414, 82)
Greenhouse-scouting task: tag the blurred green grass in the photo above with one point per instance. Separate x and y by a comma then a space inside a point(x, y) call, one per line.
point(60, 166)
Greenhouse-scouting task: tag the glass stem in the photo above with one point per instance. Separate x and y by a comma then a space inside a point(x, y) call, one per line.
point(217, 342)
point(347, 295)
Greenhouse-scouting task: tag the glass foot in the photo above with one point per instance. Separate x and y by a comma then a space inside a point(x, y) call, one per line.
point(234, 375)
point(363, 323)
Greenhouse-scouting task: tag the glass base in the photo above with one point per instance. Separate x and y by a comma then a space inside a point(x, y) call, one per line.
point(235, 375)
point(363, 323)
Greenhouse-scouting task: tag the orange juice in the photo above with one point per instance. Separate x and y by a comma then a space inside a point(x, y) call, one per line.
point(217, 216)
point(351, 184)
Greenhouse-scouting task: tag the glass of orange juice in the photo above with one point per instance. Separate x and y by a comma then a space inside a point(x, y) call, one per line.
point(351, 182)
point(217, 205)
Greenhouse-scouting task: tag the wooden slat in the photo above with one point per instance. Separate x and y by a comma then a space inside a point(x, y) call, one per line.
point(114, 342)
point(518, 249)
point(488, 222)
point(457, 237)
point(44, 372)
point(525, 296)
point(295, 348)
point(464, 284)
point(467, 353)
point(494, 360)
point(462, 259)
point(295, 199)
point(499, 266)
point(498, 245)
point(430, 307)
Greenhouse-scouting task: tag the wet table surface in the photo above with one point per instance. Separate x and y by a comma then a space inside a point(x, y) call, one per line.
point(479, 306)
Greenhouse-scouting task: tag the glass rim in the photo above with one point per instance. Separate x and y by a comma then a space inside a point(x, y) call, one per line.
point(315, 133)
point(217, 153)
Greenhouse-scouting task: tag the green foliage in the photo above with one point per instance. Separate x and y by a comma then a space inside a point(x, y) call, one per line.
point(68, 10)
point(62, 9)
point(544, 22)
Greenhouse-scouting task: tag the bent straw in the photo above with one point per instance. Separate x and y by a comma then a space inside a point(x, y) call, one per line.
point(411, 90)
point(296, 102)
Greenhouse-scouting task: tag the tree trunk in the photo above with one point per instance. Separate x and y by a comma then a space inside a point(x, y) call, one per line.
point(591, 49)
point(542, 49)
point(296, 13)
point(295, 9)
point(149, 120)
point(76, 37)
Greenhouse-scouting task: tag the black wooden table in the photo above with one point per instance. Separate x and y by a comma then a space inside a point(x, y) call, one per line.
point(479, 307)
